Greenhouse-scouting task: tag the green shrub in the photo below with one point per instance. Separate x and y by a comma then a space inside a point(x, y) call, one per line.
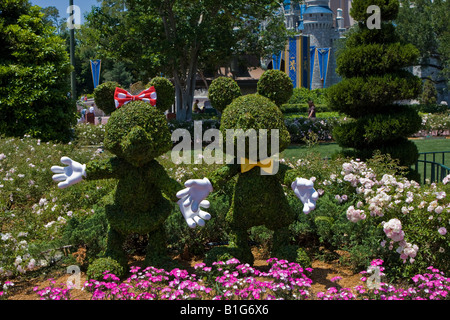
point(165, 93)
point(275, 85)
point(222, 92)
point(429, 93)
point(303, 95)
point(431, 108)
point(34, 73)
point(97, 269)
point(104, 96)
point(88, 232)
point(303, 108)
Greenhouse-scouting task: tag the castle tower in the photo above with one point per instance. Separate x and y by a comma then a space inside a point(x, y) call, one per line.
point(318, 25)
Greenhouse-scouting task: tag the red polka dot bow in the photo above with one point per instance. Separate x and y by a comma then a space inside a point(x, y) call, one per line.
point(122, 96)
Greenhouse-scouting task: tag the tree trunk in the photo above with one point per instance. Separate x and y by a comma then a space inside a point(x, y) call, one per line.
point(185, 90)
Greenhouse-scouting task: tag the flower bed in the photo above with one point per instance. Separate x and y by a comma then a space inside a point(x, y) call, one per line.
point(232, 280)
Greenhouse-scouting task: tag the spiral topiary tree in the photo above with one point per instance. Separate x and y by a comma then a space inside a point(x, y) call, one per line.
point(372, 66)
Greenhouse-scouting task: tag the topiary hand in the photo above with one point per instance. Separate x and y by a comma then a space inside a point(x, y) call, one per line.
point(192, 218)
point(304, 190)
point(192, 197)
point(69, 175)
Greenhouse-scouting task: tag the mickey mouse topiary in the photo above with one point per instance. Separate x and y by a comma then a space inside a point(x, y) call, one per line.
point(258, 197)
point(136, 133)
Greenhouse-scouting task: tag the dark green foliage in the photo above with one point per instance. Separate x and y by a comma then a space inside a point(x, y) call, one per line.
point(191, 242)
point(34, 74)
point(275, 85)
point(222, 92)
point(375, 59)
point(89, 233)
point(97, 269)
point(104, 96)
point(303, 108)
point(165, 93)
point(388, 8)
point(379, 129)
point(372, 64)
point(359, 96)
point(303, 95)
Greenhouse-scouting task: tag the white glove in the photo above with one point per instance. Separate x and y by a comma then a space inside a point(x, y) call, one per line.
point(304, 190)
point(194, 219)
point(69, 175)
point(192, 197)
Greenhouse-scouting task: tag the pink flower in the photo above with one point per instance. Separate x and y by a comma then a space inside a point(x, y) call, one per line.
point(442, 231)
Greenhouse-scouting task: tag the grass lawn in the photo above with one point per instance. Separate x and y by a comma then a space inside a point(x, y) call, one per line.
point(328, 149)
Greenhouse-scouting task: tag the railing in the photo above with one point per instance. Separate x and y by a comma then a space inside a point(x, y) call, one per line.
point(432, 170)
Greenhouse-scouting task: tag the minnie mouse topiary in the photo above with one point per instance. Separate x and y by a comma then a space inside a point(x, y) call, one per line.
point(136, 133)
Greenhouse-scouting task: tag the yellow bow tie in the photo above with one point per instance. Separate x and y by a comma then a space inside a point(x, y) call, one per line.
point(266, 165)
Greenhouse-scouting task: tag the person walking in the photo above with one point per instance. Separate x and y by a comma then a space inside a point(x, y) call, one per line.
point(311, 110)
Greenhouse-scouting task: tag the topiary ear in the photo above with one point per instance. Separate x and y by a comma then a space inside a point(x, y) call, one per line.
point(222, 92)
point(104, 96)
point(165, 92)
point(275, 85)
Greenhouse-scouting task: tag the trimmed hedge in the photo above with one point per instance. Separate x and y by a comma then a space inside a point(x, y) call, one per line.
point(303, 108)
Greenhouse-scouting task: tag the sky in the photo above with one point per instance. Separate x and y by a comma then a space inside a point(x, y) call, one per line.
point(61, 5)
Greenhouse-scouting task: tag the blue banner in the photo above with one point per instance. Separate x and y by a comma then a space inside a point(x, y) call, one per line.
point(323, 55)
point(312, 51)
point(296, 61)
point(292, 61)
point(95, 69)
point(304, 77)
point(276, 61)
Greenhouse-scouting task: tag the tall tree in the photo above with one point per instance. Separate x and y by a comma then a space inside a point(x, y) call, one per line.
point(372, 66)
point(34, 75)
point(177, 37)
